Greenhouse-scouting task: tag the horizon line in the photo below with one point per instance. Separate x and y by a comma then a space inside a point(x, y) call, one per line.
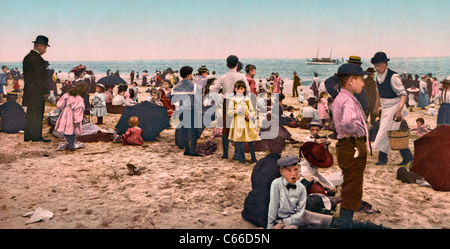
point(268, 58)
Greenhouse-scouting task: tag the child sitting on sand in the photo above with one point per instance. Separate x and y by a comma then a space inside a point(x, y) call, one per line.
point(315, 126)
point(156, 97)
point(288, 200)
point(421, 128)
point(243, 127)
point(120, 99)
point(133, 136)
point(99, 103)
point(166, 88)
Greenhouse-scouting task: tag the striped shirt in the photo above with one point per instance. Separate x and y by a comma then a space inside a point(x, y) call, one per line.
point(347, 115)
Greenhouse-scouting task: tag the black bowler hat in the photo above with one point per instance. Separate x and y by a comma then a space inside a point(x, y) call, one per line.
point(351, 69)
point(379, 58)
point(42, 40)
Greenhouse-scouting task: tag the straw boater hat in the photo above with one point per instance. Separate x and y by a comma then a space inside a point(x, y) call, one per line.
point(101, 86)
point(317, 155)
point(354, 59)
point(202, 69)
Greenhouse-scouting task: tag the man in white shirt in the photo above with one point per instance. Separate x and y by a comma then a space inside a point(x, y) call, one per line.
point(392, 96)
point(226, 82)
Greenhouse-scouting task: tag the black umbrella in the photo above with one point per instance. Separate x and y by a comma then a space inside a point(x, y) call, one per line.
point(111, 80)
point(152, 119)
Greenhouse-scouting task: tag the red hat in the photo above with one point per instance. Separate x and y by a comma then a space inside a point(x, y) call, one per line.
point(317, 155)
point(78, 69)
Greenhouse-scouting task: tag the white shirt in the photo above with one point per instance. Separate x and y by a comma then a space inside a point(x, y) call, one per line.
point(423, 86)
point(120, 100)
point(396, 83)
point(286, 204)
point(310, 112)
point(227, 82)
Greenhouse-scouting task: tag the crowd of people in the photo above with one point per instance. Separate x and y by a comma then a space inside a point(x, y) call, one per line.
point(287, 192)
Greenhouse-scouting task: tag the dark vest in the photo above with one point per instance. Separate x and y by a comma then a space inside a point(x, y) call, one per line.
point(384, 88)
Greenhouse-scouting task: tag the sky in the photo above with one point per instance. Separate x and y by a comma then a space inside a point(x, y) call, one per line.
point(103, 30)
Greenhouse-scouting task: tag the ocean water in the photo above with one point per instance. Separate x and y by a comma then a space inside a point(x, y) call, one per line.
point(438, 66)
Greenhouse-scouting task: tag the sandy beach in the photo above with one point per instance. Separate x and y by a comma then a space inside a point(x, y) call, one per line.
point(90, 188)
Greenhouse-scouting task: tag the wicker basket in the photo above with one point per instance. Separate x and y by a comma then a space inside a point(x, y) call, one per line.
point(398, 140)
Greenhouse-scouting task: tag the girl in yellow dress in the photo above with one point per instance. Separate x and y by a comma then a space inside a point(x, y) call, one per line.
point(243, 125)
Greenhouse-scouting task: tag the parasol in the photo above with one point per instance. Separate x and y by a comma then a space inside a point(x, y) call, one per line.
point(431, 160)
point(111, 80)
point(152, 119)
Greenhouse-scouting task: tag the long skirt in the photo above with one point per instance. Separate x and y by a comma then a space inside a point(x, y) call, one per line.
point(423, 99)
point(443, 117)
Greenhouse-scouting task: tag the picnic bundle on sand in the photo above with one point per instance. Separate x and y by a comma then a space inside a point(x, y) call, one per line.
point(91, 187)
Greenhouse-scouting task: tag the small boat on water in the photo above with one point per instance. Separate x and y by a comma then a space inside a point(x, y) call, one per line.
point(323, 60)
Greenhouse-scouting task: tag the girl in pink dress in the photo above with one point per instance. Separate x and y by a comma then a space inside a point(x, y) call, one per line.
point(322, 107)
point(435, 92)
point(71, 117)
point(133, 136)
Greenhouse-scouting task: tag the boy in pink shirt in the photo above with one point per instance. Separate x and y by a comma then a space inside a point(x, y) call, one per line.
point(352, 145)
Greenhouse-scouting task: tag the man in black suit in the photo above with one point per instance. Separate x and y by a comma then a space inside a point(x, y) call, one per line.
point(35, 89)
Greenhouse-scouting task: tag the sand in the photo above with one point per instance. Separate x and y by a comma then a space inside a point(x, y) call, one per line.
point(90, 187)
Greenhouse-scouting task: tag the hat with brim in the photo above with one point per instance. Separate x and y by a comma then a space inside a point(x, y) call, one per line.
point(317, 155)
point(370, 70)
point(315, 122)
point(354, 59)
point(379, 57)
point(446, 81)
point(78, 69)
point(41, 40)
point(413, 90)
point(101, 86)
point(351, 69)
point(202, 69)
